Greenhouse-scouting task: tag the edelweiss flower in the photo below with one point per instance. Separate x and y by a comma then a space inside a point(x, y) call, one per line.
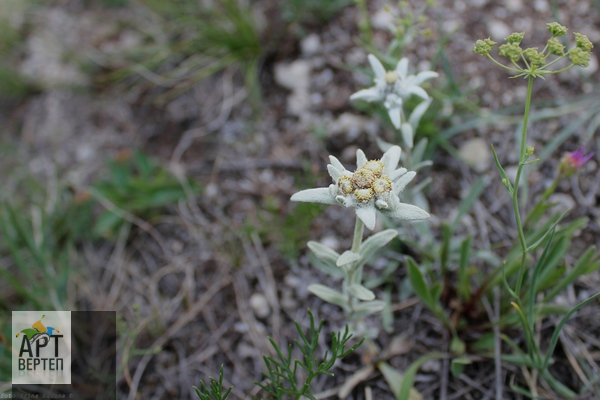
point(374, 186)
point(393, 87)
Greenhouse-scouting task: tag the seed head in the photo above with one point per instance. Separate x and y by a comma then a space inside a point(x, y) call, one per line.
point(583, 42)
point(515, 37)
point(484, 46)
point(363, 178)
point(391, 77)
point(511, 51)
point(556, 29)
point(363, 195)
point(555, 47)
point(345, 185)
point(579, 57)
point(382, 185)
point(375, 166)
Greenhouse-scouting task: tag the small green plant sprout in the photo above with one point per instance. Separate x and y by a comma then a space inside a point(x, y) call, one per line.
point(284, 379)
point(535, 63)
point(215, 389)
point(392, 89)
point(374, 187)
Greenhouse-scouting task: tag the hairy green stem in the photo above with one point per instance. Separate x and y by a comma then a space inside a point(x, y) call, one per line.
point(359, 228)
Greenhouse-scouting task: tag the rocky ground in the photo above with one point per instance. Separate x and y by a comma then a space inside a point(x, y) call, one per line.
point(209, 279)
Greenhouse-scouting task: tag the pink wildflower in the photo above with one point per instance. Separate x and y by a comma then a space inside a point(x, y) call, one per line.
point(572, 162)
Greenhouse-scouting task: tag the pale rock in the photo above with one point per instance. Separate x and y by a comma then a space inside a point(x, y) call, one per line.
point(260, 305)
point(478, 3)
point(432, 366)
point(540, 5)
point(331, 241)
point(563, 201)
point(293, 76)
point(298, 102)
point(244, 350)
point(352, 125)
point(476, 152)
point(511, 173)
point(514, 5)
point(383, 20)
point(310, 45)
point(498, 30)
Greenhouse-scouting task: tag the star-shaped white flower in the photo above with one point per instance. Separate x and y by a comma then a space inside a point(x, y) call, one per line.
point(393, 87)
point(374, 186)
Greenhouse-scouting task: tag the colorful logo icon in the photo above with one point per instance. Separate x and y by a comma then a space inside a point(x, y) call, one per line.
point(38, 330)
point(41, 352)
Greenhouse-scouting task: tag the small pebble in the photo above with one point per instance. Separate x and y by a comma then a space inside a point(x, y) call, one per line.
point(476, 152)
point(260, 305)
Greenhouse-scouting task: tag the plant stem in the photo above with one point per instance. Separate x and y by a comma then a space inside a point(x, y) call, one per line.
point(515, 196)
point(358, 234)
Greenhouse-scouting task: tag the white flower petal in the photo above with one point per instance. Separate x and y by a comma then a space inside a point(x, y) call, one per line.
point(407, 212)
point(318, 195)
point(394, 175)
point(370, 94)
point(402, 68)
point(361, 158)
point(377, 67)
point(401, 183)
point(418, 91)
point(368, 216)
point(423, 76)
point(390, 160)
point(394, 114)
point(407, 134)
point(337, 164)
point(418, 112)
point(334, 172)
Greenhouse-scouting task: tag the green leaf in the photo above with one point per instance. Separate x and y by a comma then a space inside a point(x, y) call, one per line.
point(436, 291)
point(580, 268)
point(464, 287)
point(348, 257)
point(563, 321)
point(107, 223)
point(370, 246)
point(329, 295)
point(457, 365)
point(143, 164)
point(324, 253)
point(407, 134)
point(361, 292)
point(394, 380)
point(445, 247)
point(417, 114)
point(409, 375)
point(369, 308)
point(503, 175)
point(547, 233)
point(418, 284)
point(419, 151)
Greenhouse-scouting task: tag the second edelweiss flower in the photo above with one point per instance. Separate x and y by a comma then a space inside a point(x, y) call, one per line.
point(393, 87)
point(374, 186)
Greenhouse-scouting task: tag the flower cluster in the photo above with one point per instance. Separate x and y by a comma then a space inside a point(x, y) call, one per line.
point(374, 186)
point(394, 87)
point(535, 61)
